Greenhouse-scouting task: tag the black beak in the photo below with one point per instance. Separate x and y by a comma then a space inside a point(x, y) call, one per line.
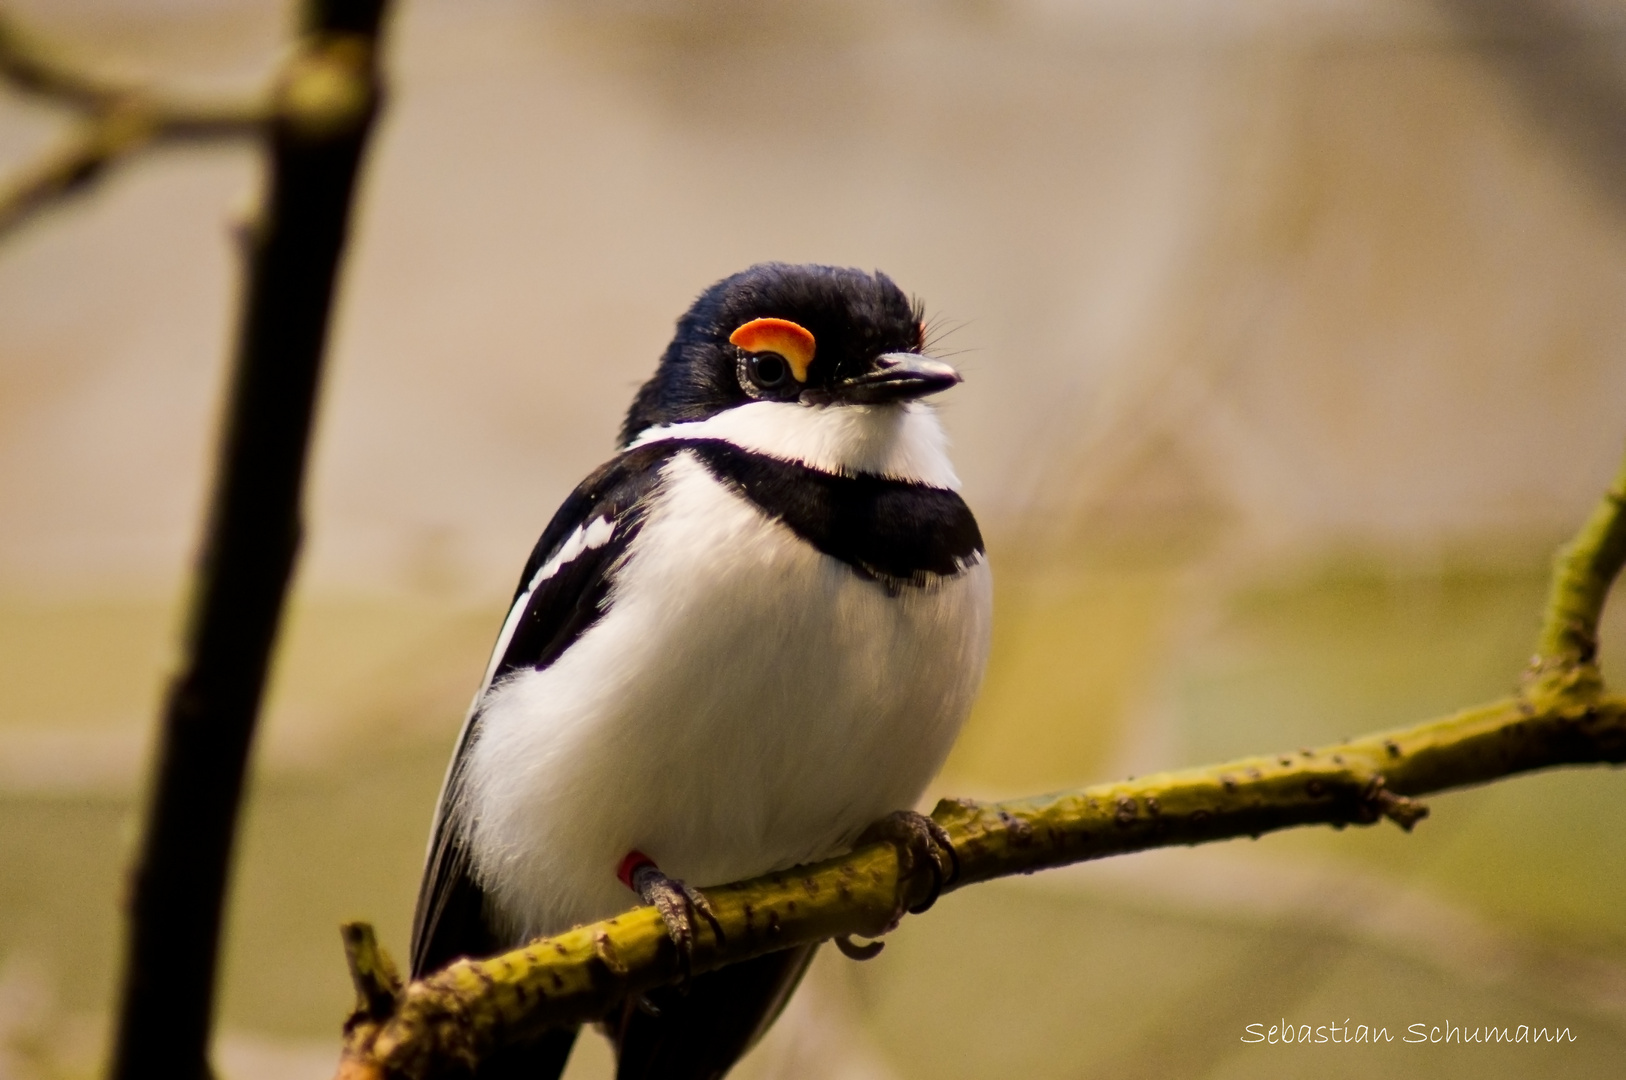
point(896, 377)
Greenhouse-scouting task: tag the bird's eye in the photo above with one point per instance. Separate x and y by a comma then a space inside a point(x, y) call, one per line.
point(767, 370)
point(773, 352)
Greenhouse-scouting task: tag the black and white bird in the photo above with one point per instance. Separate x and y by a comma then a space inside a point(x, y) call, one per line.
point(750, 635)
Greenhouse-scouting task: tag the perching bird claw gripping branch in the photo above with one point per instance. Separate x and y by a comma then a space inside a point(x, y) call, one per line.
point(1561, 715)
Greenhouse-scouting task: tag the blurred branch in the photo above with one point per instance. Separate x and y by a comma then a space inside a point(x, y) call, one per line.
point(1560, 716)
point(325, 101)
point(1566, 60)
point(115, 122)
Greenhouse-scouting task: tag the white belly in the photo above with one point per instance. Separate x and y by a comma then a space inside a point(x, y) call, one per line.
point(746, 704)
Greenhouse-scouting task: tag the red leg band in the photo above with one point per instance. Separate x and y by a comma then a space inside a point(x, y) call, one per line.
point(635, 861)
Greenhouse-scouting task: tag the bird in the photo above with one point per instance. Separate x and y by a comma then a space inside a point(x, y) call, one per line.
point(740, 645)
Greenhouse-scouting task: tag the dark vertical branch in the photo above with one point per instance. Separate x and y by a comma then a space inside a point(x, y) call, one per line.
point(326, 100)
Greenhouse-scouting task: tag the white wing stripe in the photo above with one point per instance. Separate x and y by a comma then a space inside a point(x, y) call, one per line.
point(595, 534)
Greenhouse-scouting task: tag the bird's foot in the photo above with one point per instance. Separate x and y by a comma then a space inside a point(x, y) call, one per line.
point(680, 905)
point(922, 844)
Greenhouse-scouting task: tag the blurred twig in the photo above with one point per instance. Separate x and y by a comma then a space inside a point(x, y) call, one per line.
point(114, 122)
point(1560, 716)
point(324, 103)
point(1566, 60)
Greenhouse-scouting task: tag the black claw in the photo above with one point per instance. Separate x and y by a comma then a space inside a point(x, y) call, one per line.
point(944, 846)
point(922, 843)
point(854, 951)
point(698, 903)
point(678, 903)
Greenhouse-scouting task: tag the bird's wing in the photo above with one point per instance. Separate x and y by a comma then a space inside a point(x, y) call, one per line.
point(699, 1029)
point(562, 592)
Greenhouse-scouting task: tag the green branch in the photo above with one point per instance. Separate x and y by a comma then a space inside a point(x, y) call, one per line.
point(1560, 716)
point(1582, 573)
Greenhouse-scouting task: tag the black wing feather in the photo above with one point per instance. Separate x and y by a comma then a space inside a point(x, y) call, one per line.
point(451, 918)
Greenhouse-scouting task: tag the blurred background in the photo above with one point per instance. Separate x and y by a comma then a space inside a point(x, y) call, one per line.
point(1294, 338)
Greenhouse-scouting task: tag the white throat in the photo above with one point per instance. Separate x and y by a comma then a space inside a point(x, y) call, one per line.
point(903, 442)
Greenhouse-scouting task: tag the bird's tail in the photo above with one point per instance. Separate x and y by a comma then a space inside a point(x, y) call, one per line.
point(699, 1030)
point(541, 1059)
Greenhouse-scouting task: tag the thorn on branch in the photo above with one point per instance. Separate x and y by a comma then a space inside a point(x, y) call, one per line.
point(1378, 801)
point(377, 982)
point(604, 947)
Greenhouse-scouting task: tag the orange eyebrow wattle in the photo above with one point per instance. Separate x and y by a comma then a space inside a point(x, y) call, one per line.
point(780, 336)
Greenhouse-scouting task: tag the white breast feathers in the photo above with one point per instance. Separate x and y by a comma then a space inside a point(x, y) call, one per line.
point(745, 704)
point(900, 442)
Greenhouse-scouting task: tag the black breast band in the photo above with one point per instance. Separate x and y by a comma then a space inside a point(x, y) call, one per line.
point(893, 531)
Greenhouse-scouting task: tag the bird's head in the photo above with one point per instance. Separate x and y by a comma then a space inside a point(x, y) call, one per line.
point(818, 336)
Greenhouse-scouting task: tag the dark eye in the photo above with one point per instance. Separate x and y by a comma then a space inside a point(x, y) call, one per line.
point(767, 370)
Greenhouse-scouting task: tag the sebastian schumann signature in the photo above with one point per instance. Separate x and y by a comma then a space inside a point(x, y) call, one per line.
point(1284, 1033)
